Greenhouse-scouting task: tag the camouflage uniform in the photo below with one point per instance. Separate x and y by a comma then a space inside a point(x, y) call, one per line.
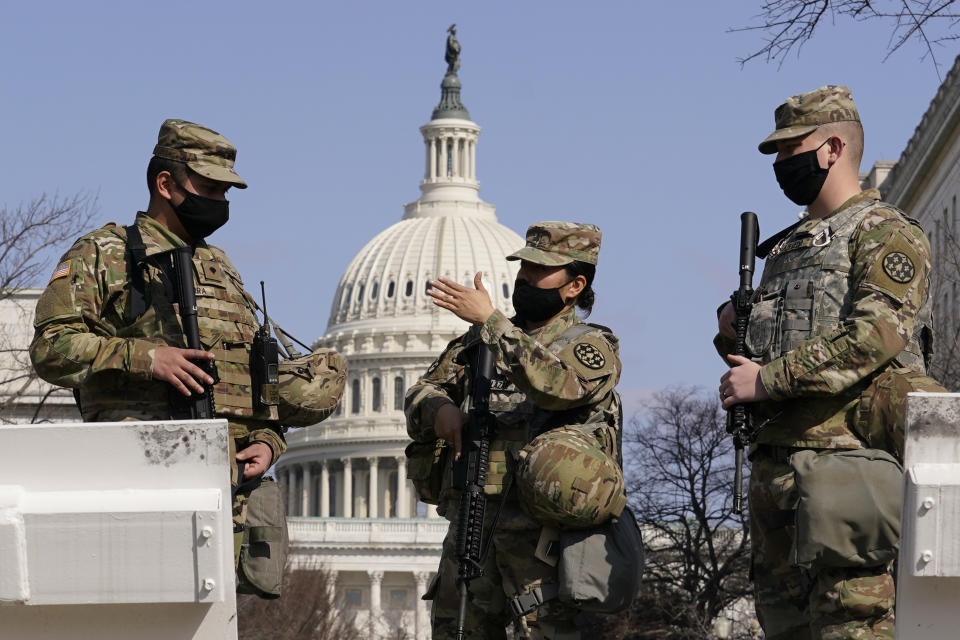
point(563, 373)
point(843, 300)
point(87, 338)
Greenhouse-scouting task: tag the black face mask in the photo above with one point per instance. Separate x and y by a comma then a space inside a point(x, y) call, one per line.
point(801, 177)
point(535, 304)
point(200, 216)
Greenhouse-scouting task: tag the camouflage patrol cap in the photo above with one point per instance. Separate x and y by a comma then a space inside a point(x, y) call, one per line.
point(558, 243)
point(803, 113)
point(203, 150)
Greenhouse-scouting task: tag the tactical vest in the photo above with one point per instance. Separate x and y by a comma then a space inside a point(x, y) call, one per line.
point(519, 420)
point(805, 292)
point(226, 327)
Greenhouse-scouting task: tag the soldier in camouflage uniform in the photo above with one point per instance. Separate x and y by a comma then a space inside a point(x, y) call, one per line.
point(124, 362)
point(552, 370)
point(842, 305)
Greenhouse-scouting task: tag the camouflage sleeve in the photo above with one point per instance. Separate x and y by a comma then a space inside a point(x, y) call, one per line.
point(891, 266)
point(724, 345)
point(443, 383)
point(273, 438)
point(74, 342)
point(580, 374)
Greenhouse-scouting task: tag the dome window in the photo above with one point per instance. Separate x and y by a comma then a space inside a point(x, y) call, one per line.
point(506, 290)
point(360, 294)
point(377, 396)
point(390, 289)
point(409, 288)
point(376, 290)
point(355, 400)
point(398, 393)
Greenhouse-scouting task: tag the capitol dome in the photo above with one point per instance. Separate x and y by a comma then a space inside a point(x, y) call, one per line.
point(352, 510)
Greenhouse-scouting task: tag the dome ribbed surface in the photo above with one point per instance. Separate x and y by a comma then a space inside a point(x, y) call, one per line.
point(388, 278)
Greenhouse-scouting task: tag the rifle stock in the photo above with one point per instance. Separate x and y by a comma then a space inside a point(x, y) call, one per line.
point(739, 420)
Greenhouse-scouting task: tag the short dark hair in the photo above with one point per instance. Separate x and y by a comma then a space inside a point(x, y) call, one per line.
point(157, 165)
point(587, 297)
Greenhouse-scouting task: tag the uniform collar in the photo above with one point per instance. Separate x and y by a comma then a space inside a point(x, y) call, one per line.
point(549, 332)
point(867, 194)
point(156, 237)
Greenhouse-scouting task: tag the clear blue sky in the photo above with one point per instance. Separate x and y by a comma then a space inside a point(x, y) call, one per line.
point(632, 115)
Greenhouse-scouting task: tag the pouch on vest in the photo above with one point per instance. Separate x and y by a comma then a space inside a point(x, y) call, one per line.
point(426, 463)
point(848, 510)
point(882, 411)
point(600, 568)
point(263, 552)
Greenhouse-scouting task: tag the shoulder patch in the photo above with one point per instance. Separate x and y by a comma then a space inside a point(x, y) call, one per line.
point(62, 271)
point(898, 265)
point(589, 355)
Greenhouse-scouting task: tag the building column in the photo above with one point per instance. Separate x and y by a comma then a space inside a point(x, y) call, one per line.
point(347, 488)
point(473, 160)
point(376, 578)
point(402, 487)
point(455, 169)
point(306, 495)
point(426, 167)
point(422, 620)
point(443, 157)
point(291, 491)
point(373, 495)
point(324, 489)
point(432, 511)
point(433, 158)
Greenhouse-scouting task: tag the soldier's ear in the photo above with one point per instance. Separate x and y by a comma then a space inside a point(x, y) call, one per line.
point(576, 287)
point(165, 185)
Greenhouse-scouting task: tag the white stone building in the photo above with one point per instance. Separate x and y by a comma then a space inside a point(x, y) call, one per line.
point(24, 398)
point(925, 182)
point(353, 513)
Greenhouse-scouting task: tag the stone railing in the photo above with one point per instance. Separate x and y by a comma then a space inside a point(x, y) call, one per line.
point(364, 531)
point(356, 428)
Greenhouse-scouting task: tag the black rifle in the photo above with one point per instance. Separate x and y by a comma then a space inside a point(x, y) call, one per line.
point(196, 406)
point(264, 362)
point(739, 420)
point(470, 475)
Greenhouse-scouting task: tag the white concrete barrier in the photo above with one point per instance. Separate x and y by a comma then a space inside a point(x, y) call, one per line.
point(116, 530)
point(928, 578)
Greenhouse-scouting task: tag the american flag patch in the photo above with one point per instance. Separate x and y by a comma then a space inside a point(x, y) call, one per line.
point(62, 270)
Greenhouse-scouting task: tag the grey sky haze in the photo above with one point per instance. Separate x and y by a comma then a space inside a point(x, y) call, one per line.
point(632, 115)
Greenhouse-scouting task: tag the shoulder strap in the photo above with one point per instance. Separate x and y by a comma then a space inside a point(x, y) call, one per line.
point(764, 248)
point(570, 336)
point(138, 254)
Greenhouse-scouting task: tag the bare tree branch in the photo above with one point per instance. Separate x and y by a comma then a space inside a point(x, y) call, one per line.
point(681, 487)
point(31, 238)
point(307, 610)
point(789, 24)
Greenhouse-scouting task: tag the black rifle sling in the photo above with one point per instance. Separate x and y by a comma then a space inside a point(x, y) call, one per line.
point(138, 255)
point(765, 247)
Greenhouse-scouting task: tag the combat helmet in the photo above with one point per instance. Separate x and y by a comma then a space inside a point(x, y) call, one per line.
point(567, 480)
point(310, 387)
